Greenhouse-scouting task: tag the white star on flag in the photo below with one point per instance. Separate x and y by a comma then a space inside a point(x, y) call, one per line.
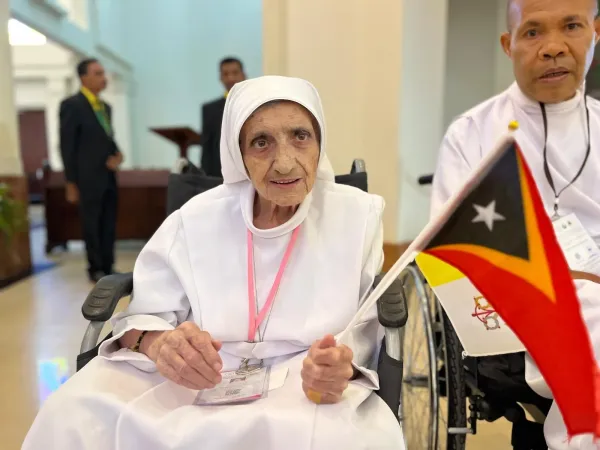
point(487, 215)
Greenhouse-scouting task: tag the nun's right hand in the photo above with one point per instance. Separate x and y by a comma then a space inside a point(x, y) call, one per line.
point(187, 356)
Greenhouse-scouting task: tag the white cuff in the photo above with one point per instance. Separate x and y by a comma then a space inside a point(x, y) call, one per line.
point(367, 378)
point(111, 350)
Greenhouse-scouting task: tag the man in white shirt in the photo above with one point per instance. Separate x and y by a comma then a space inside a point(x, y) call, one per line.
point(551, 44)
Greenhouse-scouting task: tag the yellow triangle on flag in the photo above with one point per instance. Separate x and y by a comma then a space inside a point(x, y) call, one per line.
point(437, 271)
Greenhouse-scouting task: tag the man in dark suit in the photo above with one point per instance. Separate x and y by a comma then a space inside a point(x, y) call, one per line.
point(90, 158)
point(232, 72)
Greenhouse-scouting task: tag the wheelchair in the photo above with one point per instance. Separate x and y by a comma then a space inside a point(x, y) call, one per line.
point(445, 393)
point(186, 181)
point(424, 377)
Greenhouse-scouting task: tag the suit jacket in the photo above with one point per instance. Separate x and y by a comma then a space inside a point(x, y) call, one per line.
point(85, 146)
point(212, 116)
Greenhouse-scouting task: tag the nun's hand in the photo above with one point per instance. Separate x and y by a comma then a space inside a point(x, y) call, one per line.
point(326, 371)
point(187, 356)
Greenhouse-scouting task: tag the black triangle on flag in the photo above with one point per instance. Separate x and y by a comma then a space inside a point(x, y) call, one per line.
point(492, 215)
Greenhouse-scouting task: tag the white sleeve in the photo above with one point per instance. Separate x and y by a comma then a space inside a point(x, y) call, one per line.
point(159, 301)
point(554, 427)
point(365, 337)
point(457, 157)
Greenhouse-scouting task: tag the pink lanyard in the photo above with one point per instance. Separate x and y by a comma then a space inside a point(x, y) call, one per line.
point(255, 322)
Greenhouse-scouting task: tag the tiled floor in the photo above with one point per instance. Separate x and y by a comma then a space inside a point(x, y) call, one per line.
point(40, 331)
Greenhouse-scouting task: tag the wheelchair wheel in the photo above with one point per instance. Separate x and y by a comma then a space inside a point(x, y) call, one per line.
point(433, 391)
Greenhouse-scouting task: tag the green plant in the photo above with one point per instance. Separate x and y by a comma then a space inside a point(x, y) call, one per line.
point(13, 217)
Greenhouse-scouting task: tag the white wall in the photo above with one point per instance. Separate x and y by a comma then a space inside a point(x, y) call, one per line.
point(30, 94)
point(477, 68)
point(40, 77)
point(175, 47)
point(10, 161)
point(75, 24)
point(504, 71)
point(420, 124)
point(471, 55)
point(452, 61)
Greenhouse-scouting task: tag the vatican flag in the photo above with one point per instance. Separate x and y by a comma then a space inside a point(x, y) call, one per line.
point(481, 331)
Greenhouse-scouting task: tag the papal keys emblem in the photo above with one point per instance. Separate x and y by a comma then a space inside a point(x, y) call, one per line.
point(485, 313)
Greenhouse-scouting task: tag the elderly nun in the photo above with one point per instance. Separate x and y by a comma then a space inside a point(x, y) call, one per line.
point(229, 342)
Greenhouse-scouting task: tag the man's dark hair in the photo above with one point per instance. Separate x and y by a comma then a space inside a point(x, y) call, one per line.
point(230, 60)
point(82, 67)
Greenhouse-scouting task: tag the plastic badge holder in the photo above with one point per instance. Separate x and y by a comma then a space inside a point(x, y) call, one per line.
point(237, 386)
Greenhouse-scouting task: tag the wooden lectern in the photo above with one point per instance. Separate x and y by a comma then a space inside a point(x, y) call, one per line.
point(182, 136)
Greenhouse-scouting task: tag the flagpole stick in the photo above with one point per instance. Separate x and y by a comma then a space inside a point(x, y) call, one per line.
point(407, 257)
point(402, 263)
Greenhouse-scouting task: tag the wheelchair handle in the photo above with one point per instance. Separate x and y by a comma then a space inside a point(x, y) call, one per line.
point(425, 179)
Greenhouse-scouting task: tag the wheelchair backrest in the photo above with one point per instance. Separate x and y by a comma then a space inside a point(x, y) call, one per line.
point(183, 186)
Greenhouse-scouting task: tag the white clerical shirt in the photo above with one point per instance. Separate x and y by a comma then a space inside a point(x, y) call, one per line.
point(477, 131)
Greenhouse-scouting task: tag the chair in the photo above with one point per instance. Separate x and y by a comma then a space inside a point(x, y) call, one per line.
point(187, 182)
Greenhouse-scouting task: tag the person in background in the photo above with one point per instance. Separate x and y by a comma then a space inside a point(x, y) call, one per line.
point(91, 157)
point(551, 45)
point(232, 72)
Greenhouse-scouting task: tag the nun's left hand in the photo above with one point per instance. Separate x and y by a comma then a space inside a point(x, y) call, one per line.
point(326, 371)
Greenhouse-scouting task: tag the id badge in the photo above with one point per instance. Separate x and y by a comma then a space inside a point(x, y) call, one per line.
point(237, 387)
point(580, 250)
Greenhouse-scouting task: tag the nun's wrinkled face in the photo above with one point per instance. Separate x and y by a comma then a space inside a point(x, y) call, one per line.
point(280, 145)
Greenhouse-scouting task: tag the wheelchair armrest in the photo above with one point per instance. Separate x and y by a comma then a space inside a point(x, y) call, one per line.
point(392, 306)
point(100, 304)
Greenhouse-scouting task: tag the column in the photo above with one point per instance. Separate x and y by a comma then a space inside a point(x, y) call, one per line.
point(504, 75)
point(354, 61)
point(421, 121)
point(10, 157)
point(15, 260)
point(117, 96)
point(56, 89)
point(473, 42)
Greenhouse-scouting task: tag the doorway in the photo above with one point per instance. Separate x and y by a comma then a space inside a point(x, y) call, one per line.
point(34, 150)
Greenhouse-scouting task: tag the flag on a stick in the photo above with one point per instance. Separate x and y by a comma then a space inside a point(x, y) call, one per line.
point(500, 237)
point(496, 232)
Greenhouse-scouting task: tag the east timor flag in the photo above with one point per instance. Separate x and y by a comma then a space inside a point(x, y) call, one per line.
point(499, 236)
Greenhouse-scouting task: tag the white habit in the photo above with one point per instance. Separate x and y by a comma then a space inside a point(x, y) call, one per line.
point(194, 269)
point(478, 131)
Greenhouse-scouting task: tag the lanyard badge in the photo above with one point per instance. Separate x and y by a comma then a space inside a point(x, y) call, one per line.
point(255, 317)
point(251, 381)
